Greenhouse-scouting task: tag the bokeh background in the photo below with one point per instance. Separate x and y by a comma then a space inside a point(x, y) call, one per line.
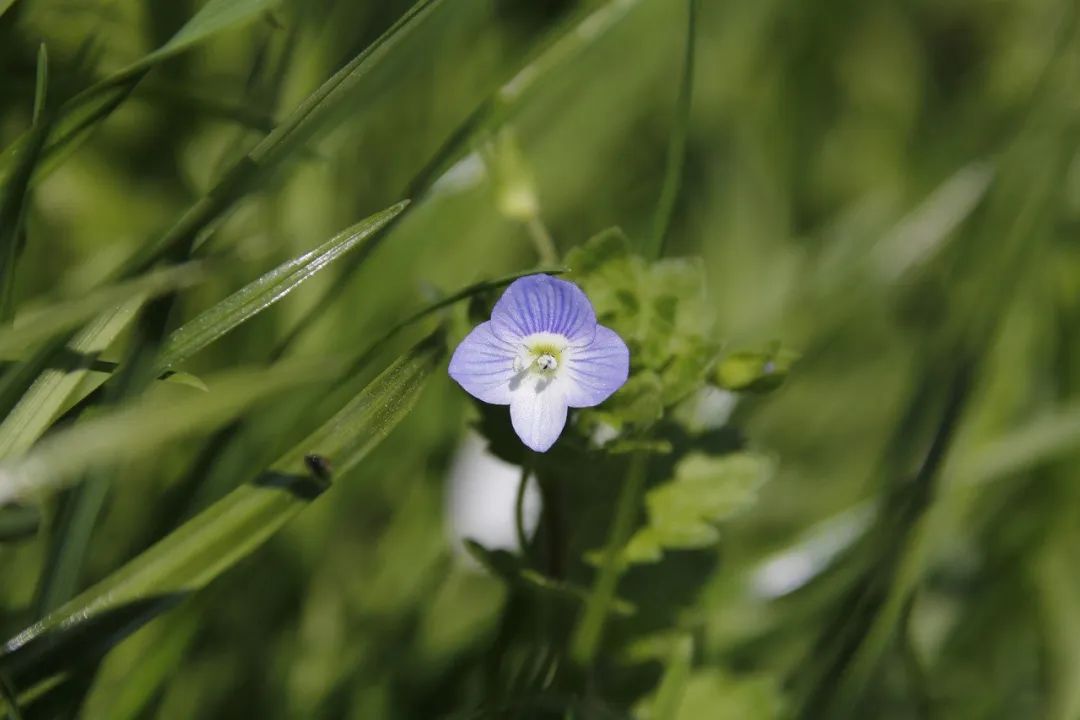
point(888, 189)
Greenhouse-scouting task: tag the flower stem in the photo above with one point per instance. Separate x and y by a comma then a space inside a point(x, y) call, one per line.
point(519, 511)
point(586, 640)
point(542, 240)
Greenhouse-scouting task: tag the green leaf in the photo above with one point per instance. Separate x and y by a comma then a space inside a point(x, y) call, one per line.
point(633, 409)
point(137, 429)
point(37, 326)
point(712, 693)
point(683, 513)
point(660, 310)
point(215, 540)
point(247, 302)
point(49, 393)
point(756, 370)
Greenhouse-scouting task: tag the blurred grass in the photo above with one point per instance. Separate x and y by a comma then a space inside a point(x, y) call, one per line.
point(890, 188)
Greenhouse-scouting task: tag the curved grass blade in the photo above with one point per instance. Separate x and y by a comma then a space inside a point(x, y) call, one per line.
point(289, 136)
point(17, 188)
point(247, 302)
point(214, 541)
point(48, 394)
point(79, 116)
point(138, 429)
point(676, 157)
point(578, 34)
point(43, 324)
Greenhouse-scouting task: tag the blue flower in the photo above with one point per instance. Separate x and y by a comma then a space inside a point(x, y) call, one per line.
point(541, 353)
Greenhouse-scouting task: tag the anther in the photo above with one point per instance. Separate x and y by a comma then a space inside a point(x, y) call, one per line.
point(547, 362)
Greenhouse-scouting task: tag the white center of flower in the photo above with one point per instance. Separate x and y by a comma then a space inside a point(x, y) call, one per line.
point(547, 362)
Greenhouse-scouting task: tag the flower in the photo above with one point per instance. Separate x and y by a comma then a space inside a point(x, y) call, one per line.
point(541, 353)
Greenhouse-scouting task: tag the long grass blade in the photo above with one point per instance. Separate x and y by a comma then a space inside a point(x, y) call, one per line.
point(49, 393)
point(80, 115)
point(676, 158)
point(249, 301)
point(37, 326)
point(218, 538)
point(17, 188)
point(142, 427)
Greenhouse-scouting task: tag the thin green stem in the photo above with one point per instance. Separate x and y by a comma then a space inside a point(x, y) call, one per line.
point(587, 634)
point(676, 157)
point(542, 240)
point(519, 511)
point(7, 690)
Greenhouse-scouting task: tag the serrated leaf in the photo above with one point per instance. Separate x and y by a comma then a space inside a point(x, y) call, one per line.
point(633, 409)
point(683, 513)
point(215, 540)
point(37, 326)
point(659, 309)
point(252, 299)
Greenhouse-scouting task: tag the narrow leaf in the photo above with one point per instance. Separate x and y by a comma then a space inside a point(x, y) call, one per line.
point(247, 302)
point(37, 326)
point(49, 393)
point(140, 428)
point(84, 112)
point(226, 532)
point(676, 157)
point(16, 189)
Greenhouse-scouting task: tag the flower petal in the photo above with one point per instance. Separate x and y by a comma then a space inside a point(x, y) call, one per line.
point(543, 304)
point(595, 371)
point(483, 364)
point(538, 415)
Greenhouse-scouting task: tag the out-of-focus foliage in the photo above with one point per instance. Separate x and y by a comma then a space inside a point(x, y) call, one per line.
point(840, 482)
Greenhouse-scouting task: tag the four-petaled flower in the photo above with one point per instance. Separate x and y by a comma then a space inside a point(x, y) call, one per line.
point(541, 353)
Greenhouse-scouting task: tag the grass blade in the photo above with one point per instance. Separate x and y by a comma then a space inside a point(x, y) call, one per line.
point(49, 393)
point(137, 429)
point(215, 540)
point(43, 324)
point(16, 190)
point(289, 136)
point(247, 302)
point(79, 116)
point(676, 158)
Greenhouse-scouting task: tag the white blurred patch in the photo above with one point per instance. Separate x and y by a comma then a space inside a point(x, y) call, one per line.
point(466, 173)
point(481, 493)
point(787, 571)
point(709, 408)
